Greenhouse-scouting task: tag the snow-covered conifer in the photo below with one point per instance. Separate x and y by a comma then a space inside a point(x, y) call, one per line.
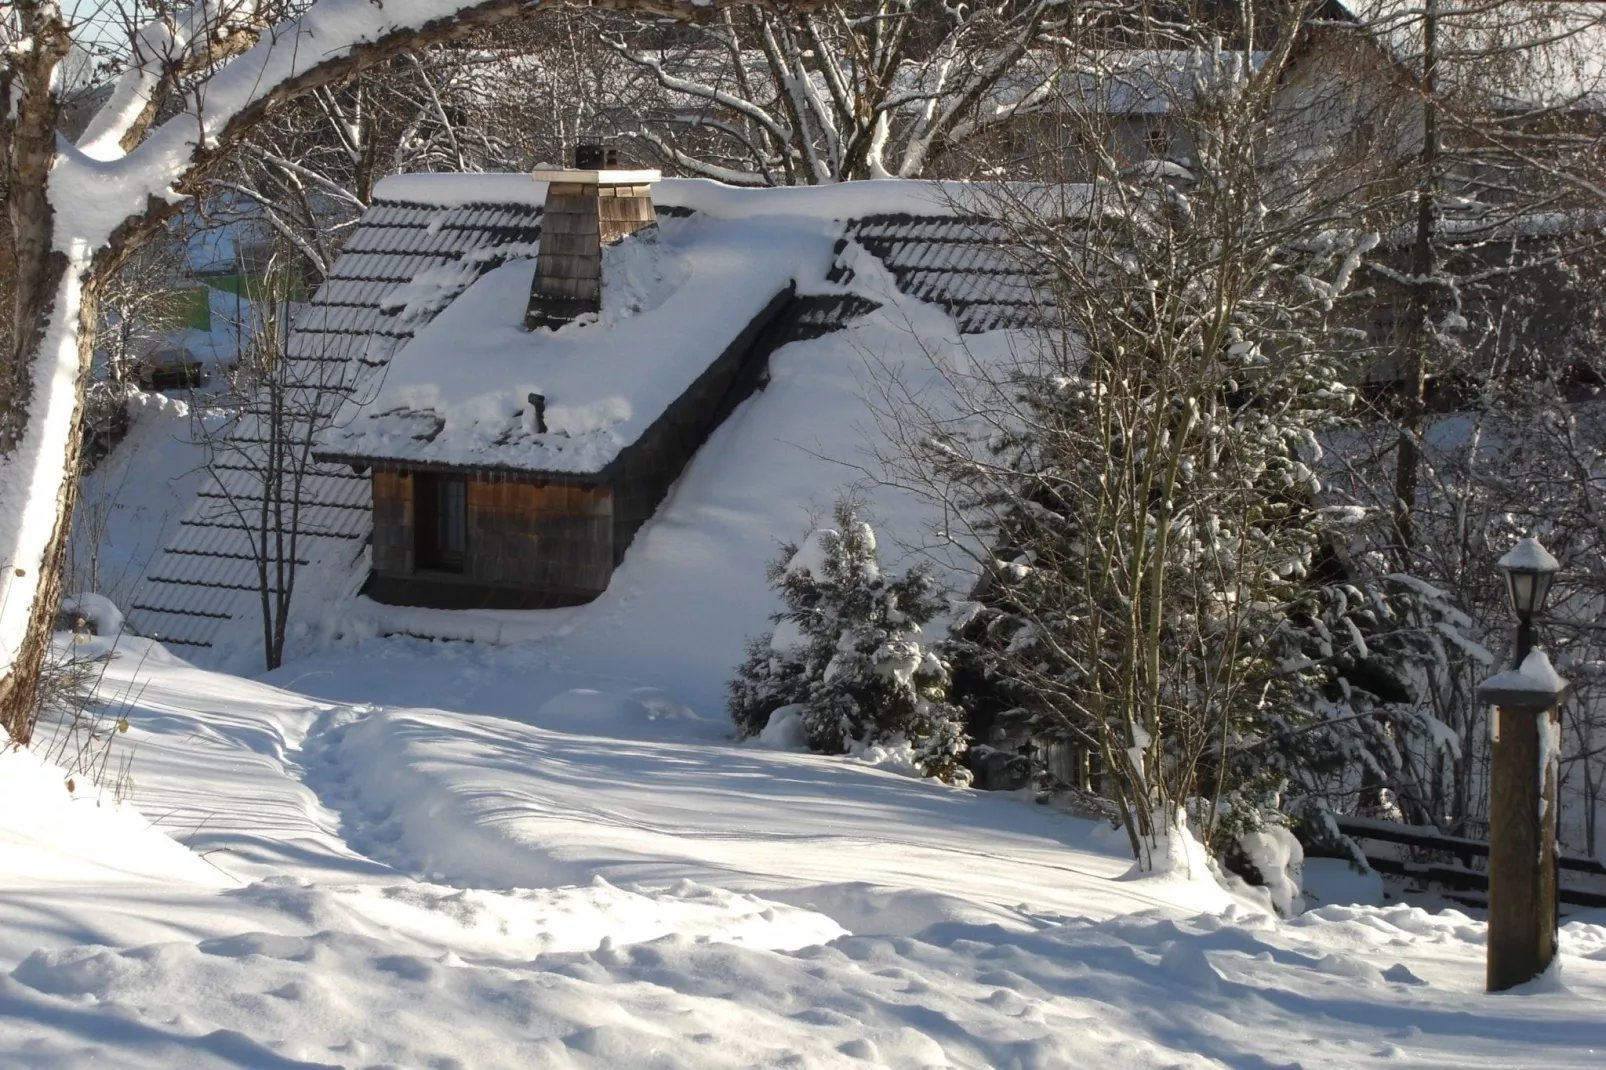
point(846, 650)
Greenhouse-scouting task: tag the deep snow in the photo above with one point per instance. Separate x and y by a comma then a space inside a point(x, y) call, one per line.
point(556, 872)
point(541, 849)
point(131, 502)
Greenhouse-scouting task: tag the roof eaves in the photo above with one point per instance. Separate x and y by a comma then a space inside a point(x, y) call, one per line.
point(407, 464)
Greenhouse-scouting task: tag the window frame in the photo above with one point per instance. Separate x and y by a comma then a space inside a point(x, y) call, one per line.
point(1157, 142)
point(439, 498)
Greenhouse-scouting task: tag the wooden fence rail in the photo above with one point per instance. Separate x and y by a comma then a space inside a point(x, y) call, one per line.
point(1462, 878)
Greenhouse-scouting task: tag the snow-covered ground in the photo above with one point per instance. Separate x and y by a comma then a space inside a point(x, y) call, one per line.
point(443, 855)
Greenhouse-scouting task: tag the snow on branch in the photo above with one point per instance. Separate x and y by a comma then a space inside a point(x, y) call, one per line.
point(866, 94)
point(161, 50)
point(331, 40)
point(700, 90)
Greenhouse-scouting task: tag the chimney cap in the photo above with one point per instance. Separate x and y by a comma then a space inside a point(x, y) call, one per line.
point(596, 176)
point(595, 156)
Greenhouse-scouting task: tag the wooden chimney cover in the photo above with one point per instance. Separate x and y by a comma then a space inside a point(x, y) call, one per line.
point(585, 210)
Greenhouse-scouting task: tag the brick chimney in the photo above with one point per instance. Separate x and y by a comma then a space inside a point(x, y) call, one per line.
point(591, 206)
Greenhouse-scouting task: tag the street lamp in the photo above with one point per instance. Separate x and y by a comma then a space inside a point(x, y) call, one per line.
point(1522, 784)
point(1529, 568)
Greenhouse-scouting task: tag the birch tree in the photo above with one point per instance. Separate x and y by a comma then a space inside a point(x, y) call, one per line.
point(196, 81)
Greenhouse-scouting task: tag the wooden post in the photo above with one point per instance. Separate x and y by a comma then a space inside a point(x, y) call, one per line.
point(1522, 818)
point(1522, 846)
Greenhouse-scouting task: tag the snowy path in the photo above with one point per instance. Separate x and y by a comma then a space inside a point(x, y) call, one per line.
point(607, 882)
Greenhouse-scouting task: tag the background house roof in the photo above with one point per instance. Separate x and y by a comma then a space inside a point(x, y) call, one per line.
point(1538, 55)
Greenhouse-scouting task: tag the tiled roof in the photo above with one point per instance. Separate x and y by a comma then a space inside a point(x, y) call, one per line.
point(206, 575)
point(962, 264)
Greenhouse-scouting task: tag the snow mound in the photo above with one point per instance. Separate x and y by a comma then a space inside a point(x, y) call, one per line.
point(1535, 674)
point(99, 614)
point(1280, 861)
point(784, 730)
point(51, 834)
point(1177, 857)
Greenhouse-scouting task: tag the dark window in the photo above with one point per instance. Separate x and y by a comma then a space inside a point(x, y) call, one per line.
point(440, 521)
point(1157, 142)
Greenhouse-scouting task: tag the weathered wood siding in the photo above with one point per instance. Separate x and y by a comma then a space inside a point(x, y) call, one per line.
point(393, 523)
point(578, 220)
point(529, 544)
point(554, 537)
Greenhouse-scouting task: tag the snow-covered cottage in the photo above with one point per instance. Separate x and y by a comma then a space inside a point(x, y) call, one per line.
point(520, 441)
point(497, 449)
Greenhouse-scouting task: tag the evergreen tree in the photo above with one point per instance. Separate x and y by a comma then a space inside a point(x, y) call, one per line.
point(846, 652)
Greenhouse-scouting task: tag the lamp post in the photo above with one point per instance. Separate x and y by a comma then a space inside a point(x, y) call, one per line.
point(1529, 568)
point(1522, 785)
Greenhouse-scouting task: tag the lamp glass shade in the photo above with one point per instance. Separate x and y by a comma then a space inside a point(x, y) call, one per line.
point(1542, 590)
point(1520, 585)
point(1528, 589)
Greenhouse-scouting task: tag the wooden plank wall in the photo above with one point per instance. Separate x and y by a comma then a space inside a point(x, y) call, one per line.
point(529, 544)
point(552, 537)
point(393, 523)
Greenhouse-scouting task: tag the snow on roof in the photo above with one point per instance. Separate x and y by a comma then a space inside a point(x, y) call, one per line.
point(468, 375)
point(458, 394)
point(841, 201)
point(597, 176)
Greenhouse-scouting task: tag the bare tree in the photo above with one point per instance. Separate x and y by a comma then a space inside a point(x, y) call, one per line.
point(1139, 487)
point(858, 89)
point(1503, 100)
point(259, 464)
point(1486, 329)
point(308, 172)
point(1515, 452)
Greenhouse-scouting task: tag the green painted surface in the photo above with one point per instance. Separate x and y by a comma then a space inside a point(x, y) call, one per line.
point(260, 287)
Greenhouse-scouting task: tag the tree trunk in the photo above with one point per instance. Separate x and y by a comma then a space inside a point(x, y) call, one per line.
point(41, 388)
point(32, 584)
point(1424, 265)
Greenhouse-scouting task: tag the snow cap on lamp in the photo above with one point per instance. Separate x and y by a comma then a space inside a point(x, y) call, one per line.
point(1529, 568)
